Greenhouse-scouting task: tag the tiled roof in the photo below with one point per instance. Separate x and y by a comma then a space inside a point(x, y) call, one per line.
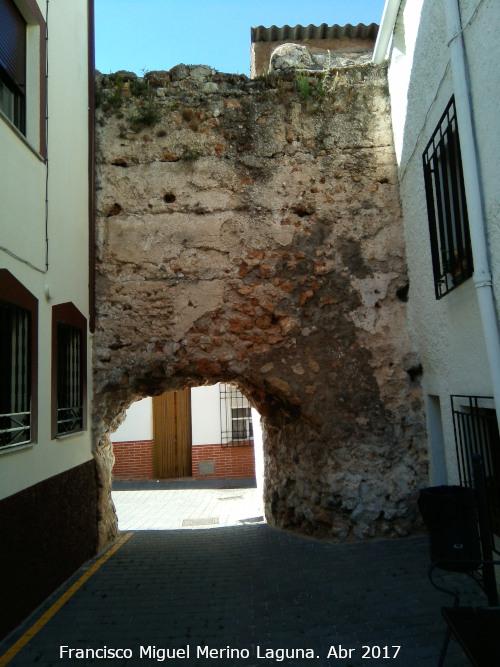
point(323, 31)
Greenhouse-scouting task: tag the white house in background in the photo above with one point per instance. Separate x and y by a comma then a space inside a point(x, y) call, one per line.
point(47, 472)
point(213, 435)
point(444, 80)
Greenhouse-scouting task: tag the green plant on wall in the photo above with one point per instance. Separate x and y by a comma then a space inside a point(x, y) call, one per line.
point(139, 88)
point(147, 111)
point(116, 98)
point(190, 155)
point(303, 86)
point(320, 87)
point(328, 80)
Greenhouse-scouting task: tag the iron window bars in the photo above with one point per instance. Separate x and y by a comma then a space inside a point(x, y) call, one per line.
point(236, 418)
point(15, 375)
point(69, 370)
point(476, 432)
point(446, 205)
point(69, 379)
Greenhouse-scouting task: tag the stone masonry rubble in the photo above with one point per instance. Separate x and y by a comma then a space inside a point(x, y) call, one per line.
point(249, 231)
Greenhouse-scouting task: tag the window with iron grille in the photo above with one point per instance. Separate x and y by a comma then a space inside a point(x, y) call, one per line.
point(68, 370)
point(446, 206)
point(236, 417)
point(476, 432)
point(69, 379)
point(18, 345)
point(12, 63)
point(15, 394)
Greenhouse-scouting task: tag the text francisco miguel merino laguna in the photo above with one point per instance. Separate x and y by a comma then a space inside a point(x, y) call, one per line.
point(161, 654)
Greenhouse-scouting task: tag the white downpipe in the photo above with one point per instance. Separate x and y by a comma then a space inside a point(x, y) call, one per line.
point(477, 223)
point(387, 23)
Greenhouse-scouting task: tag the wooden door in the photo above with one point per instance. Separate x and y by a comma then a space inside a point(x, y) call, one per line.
point(172, 434)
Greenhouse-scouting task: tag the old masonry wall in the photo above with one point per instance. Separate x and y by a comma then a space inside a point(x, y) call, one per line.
point(249, 231)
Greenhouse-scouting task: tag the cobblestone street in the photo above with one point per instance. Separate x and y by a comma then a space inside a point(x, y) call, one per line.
point(238, 594)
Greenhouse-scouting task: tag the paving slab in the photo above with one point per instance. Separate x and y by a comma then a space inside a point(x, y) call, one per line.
point(187, 504)
point(248, 595)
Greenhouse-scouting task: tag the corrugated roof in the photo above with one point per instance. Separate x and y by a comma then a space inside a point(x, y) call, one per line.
point(323, 31)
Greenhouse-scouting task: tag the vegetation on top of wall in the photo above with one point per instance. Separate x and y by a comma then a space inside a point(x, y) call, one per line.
point(117, 90)
point(141, 101)
point(316, 85)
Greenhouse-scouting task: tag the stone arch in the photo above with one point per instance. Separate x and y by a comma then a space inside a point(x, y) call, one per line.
point(253, 236)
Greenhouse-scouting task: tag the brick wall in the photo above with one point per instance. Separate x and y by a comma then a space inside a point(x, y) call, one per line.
point(229, 463)
point(133, 460)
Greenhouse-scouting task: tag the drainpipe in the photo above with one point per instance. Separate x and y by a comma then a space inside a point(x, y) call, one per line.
point(477, 222)
point(387, 23)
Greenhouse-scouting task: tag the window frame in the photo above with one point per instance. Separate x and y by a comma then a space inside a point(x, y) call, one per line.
point(451, 251)
point(13, 292)
point(35, 93)
point(232, 403)
point(13, 56)
point(68, 314)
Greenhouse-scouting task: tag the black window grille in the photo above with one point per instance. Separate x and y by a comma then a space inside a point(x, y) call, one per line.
point(12, 63)
point(476, 432)
point(236, 417)
point(446, 206)
point(69, 379)
point(15, 375)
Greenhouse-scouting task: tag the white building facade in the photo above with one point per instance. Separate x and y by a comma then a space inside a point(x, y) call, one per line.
point(218, 429)
point(445, 86)
point(47, 472)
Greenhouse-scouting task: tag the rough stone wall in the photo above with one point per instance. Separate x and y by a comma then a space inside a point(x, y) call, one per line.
point(260, 51)
point(252, 234)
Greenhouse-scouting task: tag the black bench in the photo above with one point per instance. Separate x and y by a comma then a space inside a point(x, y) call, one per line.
point(461, 540)
point(478, 632)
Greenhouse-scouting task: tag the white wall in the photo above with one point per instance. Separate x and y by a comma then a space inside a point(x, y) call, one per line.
point(205, 406)
point(258, 450)
point(23, 223)
point(138, 423)
point(447, 333)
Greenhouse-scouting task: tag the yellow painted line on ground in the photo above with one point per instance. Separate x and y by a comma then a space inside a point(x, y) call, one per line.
point(45, 618)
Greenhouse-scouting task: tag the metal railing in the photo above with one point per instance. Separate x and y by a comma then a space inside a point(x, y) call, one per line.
point(476, 433)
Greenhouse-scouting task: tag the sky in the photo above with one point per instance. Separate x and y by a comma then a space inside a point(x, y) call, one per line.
point(144, 35)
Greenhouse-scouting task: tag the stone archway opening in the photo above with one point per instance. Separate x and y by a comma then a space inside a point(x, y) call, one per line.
point(253, 235)
point(119, 401)
point(186, 452)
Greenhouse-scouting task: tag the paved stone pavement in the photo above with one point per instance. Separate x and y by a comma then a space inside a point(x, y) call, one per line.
point(187, 504)
point(245, 588)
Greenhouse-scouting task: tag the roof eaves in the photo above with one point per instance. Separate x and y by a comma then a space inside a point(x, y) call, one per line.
point(323, 31)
